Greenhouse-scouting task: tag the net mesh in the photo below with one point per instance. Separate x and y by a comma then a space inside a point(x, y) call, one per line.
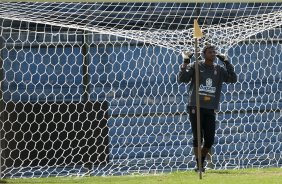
point(91, 88)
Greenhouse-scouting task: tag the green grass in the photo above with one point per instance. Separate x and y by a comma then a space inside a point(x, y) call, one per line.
point(241, 176)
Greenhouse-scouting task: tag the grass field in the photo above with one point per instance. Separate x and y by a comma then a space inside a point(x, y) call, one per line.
point(241, 176)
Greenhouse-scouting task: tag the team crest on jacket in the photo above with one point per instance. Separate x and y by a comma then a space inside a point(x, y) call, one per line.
point(209, 82)
point(207, 88)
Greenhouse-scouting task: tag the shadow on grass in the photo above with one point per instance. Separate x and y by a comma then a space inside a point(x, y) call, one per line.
point(219, 172)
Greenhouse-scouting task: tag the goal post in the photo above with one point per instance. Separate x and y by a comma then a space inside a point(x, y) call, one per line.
point(92, 88)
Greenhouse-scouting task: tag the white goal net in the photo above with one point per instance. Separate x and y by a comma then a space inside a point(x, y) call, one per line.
point(91, 88)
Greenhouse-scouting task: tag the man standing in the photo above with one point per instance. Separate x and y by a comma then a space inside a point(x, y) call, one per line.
point(211, 78)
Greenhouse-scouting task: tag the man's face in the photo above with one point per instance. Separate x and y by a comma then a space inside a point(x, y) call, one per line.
point(210, 54)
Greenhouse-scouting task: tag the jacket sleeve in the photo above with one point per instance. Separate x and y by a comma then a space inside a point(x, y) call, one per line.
point(185, 74)
point(229, 75)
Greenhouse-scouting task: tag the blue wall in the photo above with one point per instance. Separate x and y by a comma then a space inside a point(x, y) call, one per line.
point(56, 74)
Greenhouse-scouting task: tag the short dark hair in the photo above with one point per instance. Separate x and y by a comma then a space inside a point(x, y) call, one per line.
point(208, 47)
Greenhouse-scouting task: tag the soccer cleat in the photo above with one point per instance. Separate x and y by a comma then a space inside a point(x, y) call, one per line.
point(198, 170)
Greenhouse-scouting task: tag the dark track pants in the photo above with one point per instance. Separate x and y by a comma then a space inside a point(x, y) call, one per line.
point(207, 118)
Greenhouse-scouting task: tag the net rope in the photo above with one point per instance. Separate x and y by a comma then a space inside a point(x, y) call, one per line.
point(88, 17)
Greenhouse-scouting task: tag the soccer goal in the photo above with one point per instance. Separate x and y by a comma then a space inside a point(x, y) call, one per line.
point(91, 88)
